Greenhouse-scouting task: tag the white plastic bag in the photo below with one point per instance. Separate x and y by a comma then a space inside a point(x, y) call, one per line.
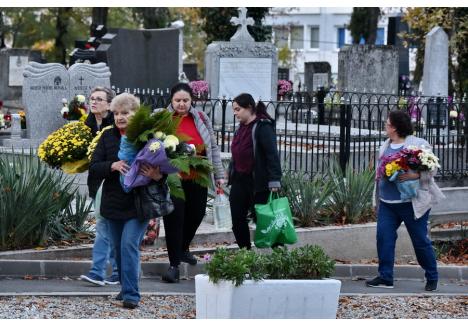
point(222, 211)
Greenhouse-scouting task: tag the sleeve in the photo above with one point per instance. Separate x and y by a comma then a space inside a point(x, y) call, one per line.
point(267, 142)
point(100, 167)
point(215, 152)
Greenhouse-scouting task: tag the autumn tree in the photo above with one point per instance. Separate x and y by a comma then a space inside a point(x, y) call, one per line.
point(363, 24)
point(454, 21)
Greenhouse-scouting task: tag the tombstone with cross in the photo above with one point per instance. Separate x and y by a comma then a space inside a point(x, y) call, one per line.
point(241, 65)
point(242, 34)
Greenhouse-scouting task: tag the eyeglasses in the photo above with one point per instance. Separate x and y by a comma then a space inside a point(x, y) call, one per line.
point(96, 99)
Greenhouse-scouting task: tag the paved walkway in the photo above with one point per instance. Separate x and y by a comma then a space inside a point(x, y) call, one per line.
point(154, 286)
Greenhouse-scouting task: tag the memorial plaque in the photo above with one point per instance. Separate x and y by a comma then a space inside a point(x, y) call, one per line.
point(15, 72)
point(320, 80)
point(245, 75)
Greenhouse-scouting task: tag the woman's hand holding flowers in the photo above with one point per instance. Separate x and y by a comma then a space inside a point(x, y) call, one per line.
point(151, 172)
point(120, 166)
point(408, 176)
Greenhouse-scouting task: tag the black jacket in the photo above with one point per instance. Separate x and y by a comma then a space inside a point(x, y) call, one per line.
point(115, 203)
point(267, 167)
point(94, 182)
point(92, 123)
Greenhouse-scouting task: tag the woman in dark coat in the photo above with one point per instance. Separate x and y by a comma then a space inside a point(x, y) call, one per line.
point(117, 206)
point(255, 169)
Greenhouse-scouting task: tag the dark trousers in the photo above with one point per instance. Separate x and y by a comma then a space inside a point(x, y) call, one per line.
point(389, 220)
point(180, 226)
point(242, 199)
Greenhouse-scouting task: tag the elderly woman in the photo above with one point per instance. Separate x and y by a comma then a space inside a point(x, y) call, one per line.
point(180, 226)
point(414, 212)
point(117, 206)
point(99, 118)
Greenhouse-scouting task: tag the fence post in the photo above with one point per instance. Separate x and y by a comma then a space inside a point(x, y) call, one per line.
point(223, 121)
point(321, 107)
point(345, 133)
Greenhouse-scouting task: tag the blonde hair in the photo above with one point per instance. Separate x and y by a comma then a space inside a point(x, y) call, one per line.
point(126, 101)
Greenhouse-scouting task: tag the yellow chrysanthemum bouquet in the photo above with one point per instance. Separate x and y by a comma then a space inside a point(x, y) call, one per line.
point(66, 148)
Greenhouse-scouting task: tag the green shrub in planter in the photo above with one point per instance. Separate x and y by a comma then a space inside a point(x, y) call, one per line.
point(37, 204)
point(308, 262)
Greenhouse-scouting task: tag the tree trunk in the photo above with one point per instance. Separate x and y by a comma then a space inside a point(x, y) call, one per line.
point(63, 16)
point(2, 32)
point(99, 17)
point(373, 21)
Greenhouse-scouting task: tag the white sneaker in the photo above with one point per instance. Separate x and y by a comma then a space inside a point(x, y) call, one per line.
point(91, 280)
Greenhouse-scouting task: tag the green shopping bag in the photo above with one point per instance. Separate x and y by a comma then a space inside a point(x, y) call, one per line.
point(274, 223)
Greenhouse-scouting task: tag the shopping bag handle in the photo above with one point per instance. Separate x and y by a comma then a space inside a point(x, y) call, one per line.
point(273, 193)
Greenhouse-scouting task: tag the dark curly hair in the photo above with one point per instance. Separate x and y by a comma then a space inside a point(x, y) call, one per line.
point(401, 121)
point(181, 87)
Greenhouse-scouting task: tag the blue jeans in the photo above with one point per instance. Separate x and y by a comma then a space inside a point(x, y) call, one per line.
point(102, 252)
point(126, 236)
point(389, 219)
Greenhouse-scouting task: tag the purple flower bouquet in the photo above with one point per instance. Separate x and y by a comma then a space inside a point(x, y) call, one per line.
point(152, 154)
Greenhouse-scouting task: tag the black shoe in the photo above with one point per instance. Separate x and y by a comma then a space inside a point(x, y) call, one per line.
point(431, 285)
point(172, 275)
point(130, 304)
point(379, 283)
point(187, 257)
point(119, 297)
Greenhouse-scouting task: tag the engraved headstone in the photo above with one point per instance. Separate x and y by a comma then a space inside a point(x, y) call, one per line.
point(12, 64)
point(44, 87)
point(242, 65)
point(317, 74)
point(368, 68)
point(435, 73)
point(84, 77)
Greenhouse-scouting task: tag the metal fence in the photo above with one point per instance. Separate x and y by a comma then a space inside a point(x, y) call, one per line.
point(346, 126)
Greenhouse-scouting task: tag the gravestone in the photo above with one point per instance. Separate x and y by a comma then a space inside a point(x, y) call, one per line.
point(142, 58)
point(317, 74)
point(84, 77)
point(191, 71)
point(368, 68)
point(12, 64)
point(435, 73)
point(44, 87)
point(242, 65)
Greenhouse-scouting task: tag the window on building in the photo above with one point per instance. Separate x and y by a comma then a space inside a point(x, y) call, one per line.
point(341, 37)
point(297, 37)
point(380, 40)
point(281, 36)
point(314, 37)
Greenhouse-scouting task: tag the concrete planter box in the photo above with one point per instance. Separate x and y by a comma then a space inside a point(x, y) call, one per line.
point(267, 299)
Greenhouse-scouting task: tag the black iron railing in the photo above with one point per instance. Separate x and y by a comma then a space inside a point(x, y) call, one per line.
point(346, 126)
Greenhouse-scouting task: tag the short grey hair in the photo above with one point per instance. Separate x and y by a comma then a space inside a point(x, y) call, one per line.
point(126, 101)
point(110, 94)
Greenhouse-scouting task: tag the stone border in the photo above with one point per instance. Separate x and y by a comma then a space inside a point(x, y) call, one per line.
point(62, 268)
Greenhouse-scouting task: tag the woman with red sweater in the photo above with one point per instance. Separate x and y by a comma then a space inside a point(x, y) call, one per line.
point(180, 226)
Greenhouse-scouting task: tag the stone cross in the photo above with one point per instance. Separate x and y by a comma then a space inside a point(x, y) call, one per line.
point(242, 34)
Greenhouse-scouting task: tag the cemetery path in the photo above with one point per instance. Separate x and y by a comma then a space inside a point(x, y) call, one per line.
point(154, 286)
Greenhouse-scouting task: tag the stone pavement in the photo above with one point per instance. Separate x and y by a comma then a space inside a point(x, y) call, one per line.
point(154, 286)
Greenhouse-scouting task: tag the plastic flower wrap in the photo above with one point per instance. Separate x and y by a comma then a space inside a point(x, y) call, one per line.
point(411, 158)
point(76, 110)
point(67, 148)
point(155, 137)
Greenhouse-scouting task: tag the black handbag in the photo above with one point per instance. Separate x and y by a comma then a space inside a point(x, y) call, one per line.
point(153, 200)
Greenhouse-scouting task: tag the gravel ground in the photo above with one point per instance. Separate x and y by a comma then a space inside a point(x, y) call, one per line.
point(418, 307)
